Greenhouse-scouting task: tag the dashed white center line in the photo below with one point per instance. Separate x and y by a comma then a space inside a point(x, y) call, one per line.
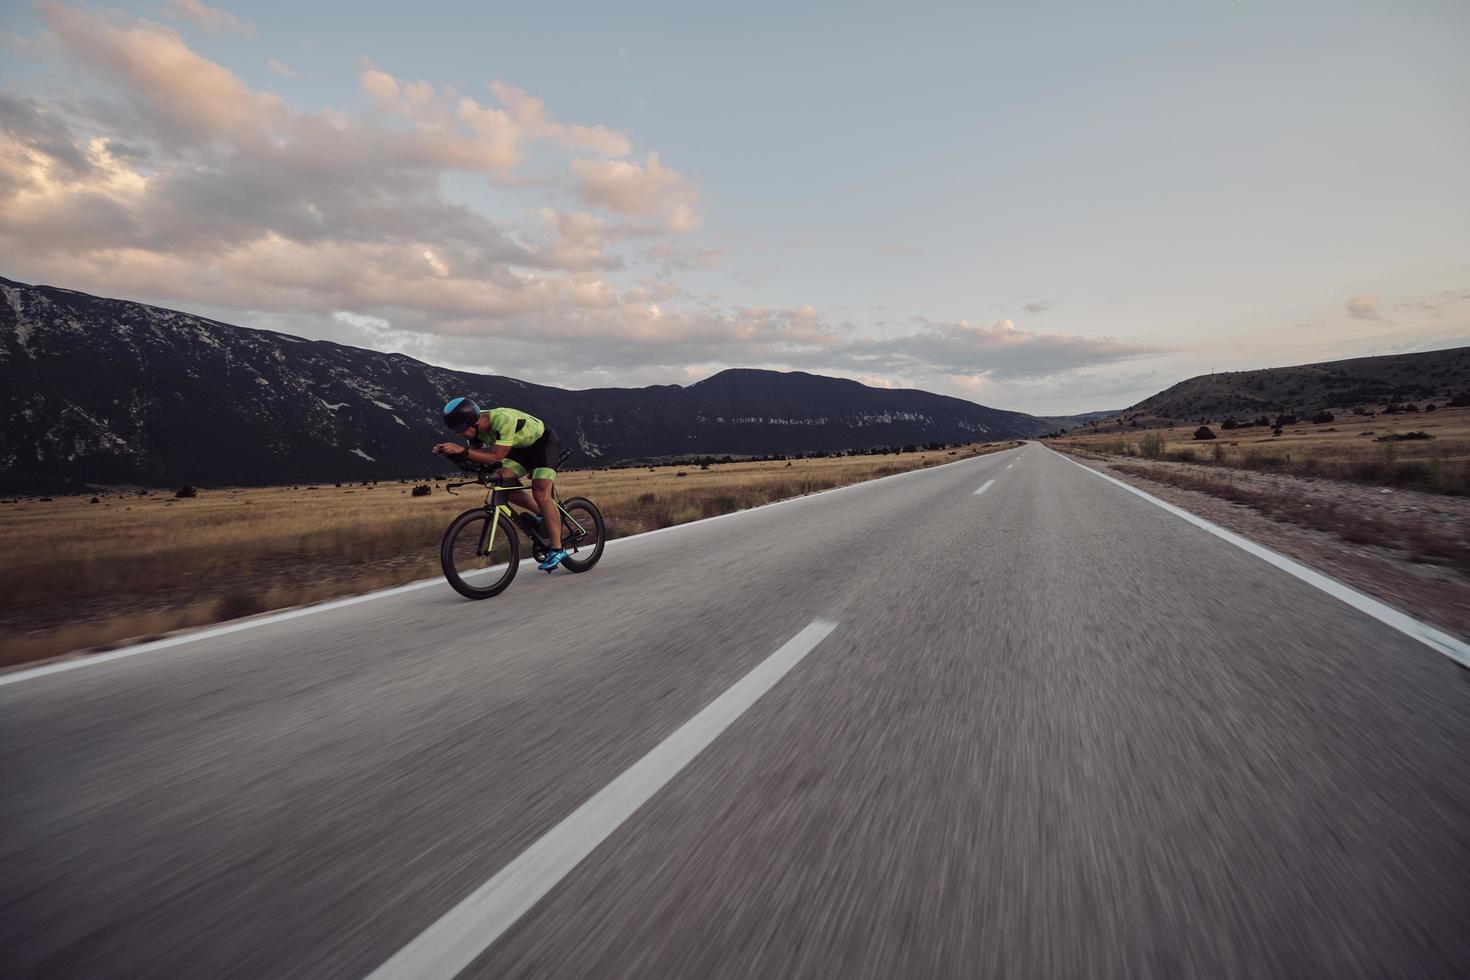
point(468, 929)
point(987, 486)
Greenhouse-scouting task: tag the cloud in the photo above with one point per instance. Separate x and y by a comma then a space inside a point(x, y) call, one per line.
point(1363, 308)
point(187, 168)
point(212, 19)
point(183, 185)
point(529, 114)
point(987, 362)
point(1435, 305)
point(670, 257)
point(647, 191)
point(285, 71)
point(462, 133)
point(578, 240)
point(995, 350)
point(1040, 306)
point(182, 97)
point(35, 132)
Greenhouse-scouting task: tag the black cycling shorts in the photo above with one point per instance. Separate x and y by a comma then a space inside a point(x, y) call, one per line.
point(538, 459)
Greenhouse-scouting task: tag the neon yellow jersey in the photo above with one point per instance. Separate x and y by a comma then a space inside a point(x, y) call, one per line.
point(512, 427)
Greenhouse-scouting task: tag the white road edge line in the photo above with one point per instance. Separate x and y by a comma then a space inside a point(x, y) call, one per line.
point(1389, 616)
point(987, 486)
point(467, 930)
point(208, 633)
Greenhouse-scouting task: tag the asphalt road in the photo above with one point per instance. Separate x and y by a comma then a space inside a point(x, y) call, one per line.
point(1048, 730)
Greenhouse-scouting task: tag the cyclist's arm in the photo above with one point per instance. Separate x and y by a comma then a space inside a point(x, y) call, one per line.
point(487, 457)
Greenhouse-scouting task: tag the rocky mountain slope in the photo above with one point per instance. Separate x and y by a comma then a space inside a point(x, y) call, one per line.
point(1305, 388)
point(104, 391)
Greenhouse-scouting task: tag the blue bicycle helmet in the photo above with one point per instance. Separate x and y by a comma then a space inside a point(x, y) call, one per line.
point(461, 412)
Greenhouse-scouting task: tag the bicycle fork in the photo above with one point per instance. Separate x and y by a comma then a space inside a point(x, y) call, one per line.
point(496, 506)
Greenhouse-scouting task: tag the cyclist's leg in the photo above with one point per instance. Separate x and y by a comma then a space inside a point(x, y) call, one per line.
point(541, 490)
point(514, 469)
point(543, 454)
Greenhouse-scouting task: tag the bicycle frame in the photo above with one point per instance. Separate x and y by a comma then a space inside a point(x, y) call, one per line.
point(496, 503)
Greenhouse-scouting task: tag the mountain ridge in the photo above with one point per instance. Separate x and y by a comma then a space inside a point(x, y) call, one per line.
point(1301, 389)
point(155, 397)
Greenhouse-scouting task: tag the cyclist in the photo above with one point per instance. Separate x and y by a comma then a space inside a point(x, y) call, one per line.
point(519, 442)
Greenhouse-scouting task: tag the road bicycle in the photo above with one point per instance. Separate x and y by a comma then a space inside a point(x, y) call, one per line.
point(481, 550)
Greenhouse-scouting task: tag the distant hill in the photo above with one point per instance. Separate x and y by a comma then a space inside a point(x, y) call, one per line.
point(104, 391)
point(1072, 421)
point(1361, 381)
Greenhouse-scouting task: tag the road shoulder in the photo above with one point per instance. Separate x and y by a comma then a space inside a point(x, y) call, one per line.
point(1431, 590)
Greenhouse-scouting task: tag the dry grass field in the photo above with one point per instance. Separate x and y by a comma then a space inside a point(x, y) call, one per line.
point(1380, 449)
point(81, 575)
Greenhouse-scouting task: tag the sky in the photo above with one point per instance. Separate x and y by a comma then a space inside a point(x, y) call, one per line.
point(1055, 206)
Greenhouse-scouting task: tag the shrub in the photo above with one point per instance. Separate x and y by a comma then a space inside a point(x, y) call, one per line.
point(1152, 445)
point(1204, 432)
point(1322, 417)
point(422, 490)
point(1228, 424)
point(94, 500)
point(183, 492)
point(1217, 451)
point(1404, 436)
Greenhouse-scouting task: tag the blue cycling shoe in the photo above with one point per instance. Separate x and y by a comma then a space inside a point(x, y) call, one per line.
point(552, 560)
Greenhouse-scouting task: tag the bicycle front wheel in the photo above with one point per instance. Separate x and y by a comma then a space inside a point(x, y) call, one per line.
point(582, 534)
point(480, 554)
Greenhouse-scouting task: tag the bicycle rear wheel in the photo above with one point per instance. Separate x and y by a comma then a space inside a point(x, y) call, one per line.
point(583, 534)
point(480, 554)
